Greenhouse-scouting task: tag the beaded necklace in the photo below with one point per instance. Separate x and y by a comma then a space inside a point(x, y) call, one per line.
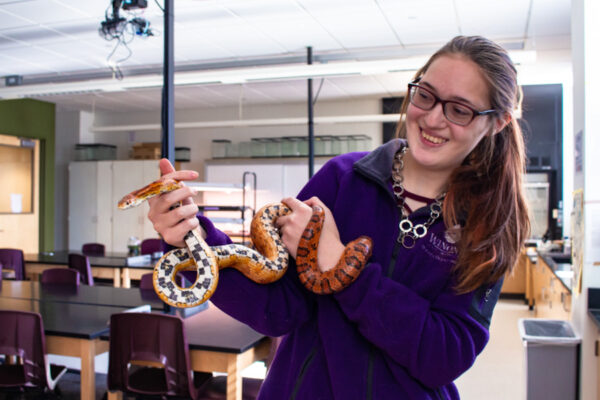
point(409, 233)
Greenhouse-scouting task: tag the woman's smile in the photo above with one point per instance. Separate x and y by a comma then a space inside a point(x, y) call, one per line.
point(432, 139)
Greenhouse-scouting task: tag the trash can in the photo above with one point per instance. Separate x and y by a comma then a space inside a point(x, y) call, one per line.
point(551, 358)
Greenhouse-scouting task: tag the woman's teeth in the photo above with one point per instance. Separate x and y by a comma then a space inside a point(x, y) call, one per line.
point(432, 139)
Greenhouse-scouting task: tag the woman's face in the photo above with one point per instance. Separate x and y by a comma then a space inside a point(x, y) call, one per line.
point(436, 143)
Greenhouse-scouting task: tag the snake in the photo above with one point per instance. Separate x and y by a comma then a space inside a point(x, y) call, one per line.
point(264, 263)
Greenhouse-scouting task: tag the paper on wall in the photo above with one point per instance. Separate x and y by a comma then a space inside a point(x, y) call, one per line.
point(16, 203)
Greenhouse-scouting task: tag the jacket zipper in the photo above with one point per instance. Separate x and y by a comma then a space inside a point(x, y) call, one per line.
point(370, 362)
point(392, 264)
point(303, 370)
point(369, 394)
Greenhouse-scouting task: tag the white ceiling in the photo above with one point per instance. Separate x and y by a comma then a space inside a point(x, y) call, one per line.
point(58, 41)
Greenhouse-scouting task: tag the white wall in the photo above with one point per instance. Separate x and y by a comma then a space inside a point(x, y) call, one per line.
point(199, 139)
point(67, 128)
point(586, 100)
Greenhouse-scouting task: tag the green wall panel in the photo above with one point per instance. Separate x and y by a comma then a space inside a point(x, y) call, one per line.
point(28, 118)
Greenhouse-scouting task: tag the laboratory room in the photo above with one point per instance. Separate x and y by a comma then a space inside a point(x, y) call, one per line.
point(299, 199)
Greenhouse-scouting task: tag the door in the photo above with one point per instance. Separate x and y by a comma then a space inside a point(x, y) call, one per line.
point(19, 219)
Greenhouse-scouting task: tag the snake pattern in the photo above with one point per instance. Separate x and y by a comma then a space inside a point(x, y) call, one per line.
point(349, 266)
point(266, 263)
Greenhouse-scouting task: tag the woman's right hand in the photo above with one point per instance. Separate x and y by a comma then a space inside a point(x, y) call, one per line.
point(172, 223)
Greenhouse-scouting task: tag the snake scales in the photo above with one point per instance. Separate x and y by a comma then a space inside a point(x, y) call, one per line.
point(264, 264)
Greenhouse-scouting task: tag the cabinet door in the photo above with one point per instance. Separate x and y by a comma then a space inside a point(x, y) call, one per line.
point(126, 177)
point(151, 173)
point(105, 205)
point(83, 212)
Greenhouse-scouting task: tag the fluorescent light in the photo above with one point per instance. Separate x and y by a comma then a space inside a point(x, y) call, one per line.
point(222, 76)
point(237, 76)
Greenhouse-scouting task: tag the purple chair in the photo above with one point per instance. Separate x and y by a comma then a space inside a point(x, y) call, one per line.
point(60, 276)
point(22, 337)
point(150, 246)
point(81, 264)
point(153, 363)
point(93, 249)
point(146, 282)
point(15, 260)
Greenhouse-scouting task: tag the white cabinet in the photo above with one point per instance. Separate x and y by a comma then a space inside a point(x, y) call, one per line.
point(95, 187)
point(126, 177)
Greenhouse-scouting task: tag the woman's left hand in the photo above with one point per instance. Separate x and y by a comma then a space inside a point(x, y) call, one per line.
point(292, 226)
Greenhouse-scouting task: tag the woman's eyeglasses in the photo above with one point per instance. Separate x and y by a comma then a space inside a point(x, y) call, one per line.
point(457, 113)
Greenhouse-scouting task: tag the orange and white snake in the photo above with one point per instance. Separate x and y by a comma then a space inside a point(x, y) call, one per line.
point(264, 265)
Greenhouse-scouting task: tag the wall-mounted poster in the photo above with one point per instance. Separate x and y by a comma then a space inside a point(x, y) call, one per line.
point(577, 237)
point(578, 156)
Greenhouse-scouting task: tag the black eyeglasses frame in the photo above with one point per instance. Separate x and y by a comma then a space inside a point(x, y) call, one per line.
point(475, 112)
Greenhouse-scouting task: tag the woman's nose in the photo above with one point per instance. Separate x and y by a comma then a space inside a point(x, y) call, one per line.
point(435, 117)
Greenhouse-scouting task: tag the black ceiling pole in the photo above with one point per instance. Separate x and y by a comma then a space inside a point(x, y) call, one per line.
point(311, 125)
point(168, 94)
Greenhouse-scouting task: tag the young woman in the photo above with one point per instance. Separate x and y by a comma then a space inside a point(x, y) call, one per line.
point(446, 212)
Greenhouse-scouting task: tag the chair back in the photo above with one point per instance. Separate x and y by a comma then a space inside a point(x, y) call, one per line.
point(93, 249)
point(81, 264)
point(60, 276)
point(150, 246)
point(148, 354)
point(15, 260)
point(146, 282)
point(22, 335)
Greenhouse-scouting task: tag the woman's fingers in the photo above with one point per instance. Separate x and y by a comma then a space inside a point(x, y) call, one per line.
point(173, 214)
point(292, 225)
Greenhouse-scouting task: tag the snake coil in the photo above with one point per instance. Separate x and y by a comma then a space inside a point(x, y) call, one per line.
point(264, 264)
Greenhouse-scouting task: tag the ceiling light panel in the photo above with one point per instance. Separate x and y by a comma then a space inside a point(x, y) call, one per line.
point(18, 66)
point(50, 60)
point(358, 87)
point(414, 26)
point(548, 18)
point(92, 57)
point(42, 11)
point(512, 13)
point(353, 27)
point(191, 46)
point(263, 10)
point(37, 35)
point(242, 40)
point(10, 20)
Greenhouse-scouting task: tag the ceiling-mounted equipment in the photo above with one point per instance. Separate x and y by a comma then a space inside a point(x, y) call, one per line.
point(134, 4)
point(114, 25)
point(122, 29)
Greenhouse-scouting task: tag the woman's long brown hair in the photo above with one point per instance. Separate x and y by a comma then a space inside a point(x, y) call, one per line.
point(485, 194)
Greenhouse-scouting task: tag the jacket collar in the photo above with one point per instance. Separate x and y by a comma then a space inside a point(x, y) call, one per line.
point(377, 165)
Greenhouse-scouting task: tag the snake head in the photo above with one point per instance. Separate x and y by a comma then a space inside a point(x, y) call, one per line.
point(126, 202)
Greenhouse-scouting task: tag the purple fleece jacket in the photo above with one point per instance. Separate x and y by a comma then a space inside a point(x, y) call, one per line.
point(398, 332)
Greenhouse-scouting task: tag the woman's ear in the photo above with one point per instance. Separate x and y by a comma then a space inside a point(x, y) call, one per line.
point(501, 122)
